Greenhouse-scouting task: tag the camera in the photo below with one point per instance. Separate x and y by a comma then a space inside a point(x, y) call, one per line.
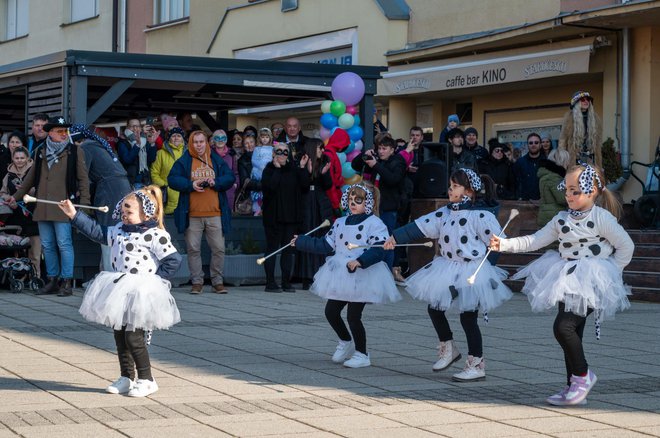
point(368, 157)
point(204, 184)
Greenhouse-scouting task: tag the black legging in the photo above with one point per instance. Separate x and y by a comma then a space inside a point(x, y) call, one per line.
point(333, 310)
point(278, 235)
point(568, 329)
point(470, 327)
point(132, 353)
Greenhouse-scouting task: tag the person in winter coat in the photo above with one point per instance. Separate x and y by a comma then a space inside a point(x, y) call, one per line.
point(201, 178)
point(552, 200)
point(452, 123)
point(219, 146)
point(172, 150)
point(461, 158)
point(283, 184)
point(137, 153)
point(500, 169)
point(337, 142)
point(581, 131)
point(59, 172)
point(525, 169)
point(245, 166)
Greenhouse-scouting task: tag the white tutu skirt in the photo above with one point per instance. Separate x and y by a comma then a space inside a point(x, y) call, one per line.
point(440, 281)
point(137, 301)
point(580, 284)
point(374, 284)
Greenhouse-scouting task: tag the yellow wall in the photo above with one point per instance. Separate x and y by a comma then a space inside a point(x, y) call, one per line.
point(437, 19)
point(45, 35)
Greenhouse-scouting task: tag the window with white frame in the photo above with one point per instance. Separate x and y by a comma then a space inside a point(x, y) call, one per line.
point(14, 18)
point(170, 10)
point(83, 9)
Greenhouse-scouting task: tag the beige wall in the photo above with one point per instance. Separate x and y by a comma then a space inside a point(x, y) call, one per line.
point(437, 19)
point(45, 34)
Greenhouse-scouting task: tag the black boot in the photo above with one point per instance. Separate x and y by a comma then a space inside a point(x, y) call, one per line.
point(66, 288)
point(50, 288)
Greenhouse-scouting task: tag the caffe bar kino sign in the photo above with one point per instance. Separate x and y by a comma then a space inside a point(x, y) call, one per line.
point(484, 72)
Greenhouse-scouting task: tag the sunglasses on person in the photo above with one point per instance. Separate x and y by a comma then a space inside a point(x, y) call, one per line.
point(534, 142)
point(584, 99)
point(284, 152)
point(498, 150)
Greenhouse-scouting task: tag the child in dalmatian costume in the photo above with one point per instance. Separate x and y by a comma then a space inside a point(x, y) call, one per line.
point(135, 297)
point(352, 277)
point(585, 276)
point(463, 233)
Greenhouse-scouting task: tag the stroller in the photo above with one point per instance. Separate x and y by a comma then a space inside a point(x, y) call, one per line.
point(21, 274)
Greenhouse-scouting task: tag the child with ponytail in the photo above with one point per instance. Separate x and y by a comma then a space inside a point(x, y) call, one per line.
point(585, 276)
point(134, 297)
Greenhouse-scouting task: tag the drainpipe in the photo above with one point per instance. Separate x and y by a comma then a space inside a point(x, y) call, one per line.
point(625, 111)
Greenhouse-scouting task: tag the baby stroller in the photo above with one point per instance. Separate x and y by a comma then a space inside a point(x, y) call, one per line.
point(20, 273)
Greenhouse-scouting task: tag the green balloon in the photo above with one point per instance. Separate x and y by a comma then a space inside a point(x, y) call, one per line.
point(337, 108)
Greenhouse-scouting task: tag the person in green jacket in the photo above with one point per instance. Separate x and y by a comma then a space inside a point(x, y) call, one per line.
point(552, 200)
point(172, 150)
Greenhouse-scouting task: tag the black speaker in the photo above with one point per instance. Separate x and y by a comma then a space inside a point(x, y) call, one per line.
point(433, 174)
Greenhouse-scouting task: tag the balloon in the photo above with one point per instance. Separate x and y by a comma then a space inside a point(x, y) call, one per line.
point(345, 121)
point(359, 145)
point(351, 155)
point(351, 109)
point(328, 121)
point(355, 133)
point(337, 108)
point(324, 133)
point(349, 149)
point(353, 180)
point(357, 119)
point(325, 106)
point(344, 187)
point(348, 87)
point(342, 157)
point(346, 170)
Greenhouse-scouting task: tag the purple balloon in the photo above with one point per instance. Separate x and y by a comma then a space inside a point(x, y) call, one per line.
point(348, 87)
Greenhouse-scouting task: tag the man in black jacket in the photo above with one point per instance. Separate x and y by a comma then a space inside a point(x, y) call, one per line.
point(293, 136)
point(388, 171)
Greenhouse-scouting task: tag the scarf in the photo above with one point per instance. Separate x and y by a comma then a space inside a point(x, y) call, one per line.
point(466, 202)
point(578, 214)
point(141, 227)
point(142, 156)
point(54, 151)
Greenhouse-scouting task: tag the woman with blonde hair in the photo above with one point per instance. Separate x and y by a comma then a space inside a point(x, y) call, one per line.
point(581, 131)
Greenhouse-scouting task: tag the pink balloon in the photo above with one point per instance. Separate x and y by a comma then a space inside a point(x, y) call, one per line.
point(351, 155)
point(351, 109)
point(324, 133)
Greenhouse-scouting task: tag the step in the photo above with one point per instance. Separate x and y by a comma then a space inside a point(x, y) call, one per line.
point(645, 236)
point(650, 294)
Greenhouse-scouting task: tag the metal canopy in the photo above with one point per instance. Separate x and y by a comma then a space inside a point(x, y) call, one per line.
point(105, 87)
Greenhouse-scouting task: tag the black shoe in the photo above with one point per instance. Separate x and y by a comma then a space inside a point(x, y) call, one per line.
point(272, 288)
point(306, 285)
point(288, 288)
point(66, 289)
point(51, 288)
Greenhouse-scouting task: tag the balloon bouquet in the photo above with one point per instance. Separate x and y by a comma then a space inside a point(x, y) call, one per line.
point(341, 113)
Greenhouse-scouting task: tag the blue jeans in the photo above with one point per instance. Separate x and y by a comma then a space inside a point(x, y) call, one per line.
point(57, 244)
point(389, 219)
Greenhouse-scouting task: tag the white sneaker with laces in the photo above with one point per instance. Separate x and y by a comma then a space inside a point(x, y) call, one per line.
point(143, 388)
point(448, 354)
point(344, 351)
point(358, 360)
point(120, 386)
point(475, 369)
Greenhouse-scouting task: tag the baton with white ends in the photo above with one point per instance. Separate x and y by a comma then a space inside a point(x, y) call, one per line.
point(471, 279)
point(325, 223)
point(380, 245)
point(27, 199)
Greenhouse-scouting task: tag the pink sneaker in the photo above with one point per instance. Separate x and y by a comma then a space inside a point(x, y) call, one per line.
point(559, 399)
point(580, 387)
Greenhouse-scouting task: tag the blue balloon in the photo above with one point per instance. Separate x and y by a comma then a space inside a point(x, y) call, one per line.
point(328, 121)
point(345, 187)
point(350, 148)
point(355, 133)
point(342, 157)
point(347, 171)
point(356, 120)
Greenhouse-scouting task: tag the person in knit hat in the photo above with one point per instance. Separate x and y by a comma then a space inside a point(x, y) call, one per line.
point(581, 131)
point(172, 150)
point(472, 145)
point(201, 179)
point(452, 123)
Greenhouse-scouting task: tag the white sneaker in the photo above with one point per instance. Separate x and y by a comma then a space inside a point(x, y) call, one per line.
point(448, 354)
point(358, 360)
point(120, 386)
point(475, 369)
point(143, 388)
point(345, 350)
point(559, 399)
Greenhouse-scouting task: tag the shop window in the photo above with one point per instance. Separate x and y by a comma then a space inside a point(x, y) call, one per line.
point(464, 112)
point(289, 5)
point(170, 10)
point(14, 18)
point(83, 9)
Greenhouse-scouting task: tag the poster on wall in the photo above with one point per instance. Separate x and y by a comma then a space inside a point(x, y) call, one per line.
point(516, 136)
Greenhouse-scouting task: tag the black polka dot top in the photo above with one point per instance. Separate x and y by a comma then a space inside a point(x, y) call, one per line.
point(138, 253)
